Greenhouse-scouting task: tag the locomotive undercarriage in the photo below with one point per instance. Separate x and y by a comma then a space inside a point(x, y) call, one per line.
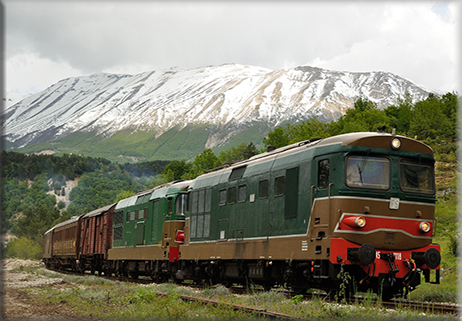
point(299, 276)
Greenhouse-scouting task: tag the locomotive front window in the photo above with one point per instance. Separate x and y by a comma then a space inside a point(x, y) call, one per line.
point(415, 177)
point(181, 204)
point(367, 172)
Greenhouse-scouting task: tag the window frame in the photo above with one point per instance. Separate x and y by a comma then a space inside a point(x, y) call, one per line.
point(260, 196)
point(222, 200)
point(231, 195)
point(368, 187)
point(237, 173)
point(412, 162)
point(239, 188)
point(276, 189)
point(323, 171)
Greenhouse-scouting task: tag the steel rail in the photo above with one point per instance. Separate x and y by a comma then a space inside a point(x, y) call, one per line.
point(236, 307)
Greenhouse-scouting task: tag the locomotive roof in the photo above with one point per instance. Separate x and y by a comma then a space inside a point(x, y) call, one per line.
point(363, 139)
point(99, 211)
point(156, 192)
point(73, 219)
point(377, 140)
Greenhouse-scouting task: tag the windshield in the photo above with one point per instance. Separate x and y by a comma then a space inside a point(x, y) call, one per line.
point(181, 204)
point(368, 172)
point(415, 177)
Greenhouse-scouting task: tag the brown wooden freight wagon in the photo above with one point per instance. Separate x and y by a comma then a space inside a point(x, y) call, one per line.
point(95, 239)
point(60, 249)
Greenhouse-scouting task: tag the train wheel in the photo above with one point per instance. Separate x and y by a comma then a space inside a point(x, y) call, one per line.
point(153, 276)
point(134, 274)
point(268, 285)
point(298, 290)
point(227, 283)
point(389, 292)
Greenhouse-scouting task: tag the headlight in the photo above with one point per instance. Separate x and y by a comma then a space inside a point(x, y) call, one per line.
point(424, 227)
point(395, 143)
point(360, 221)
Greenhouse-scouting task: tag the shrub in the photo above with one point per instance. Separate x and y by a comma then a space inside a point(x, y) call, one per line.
point(23, 248)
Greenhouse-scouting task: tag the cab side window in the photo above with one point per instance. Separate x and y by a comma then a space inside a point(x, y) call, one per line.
point(263, 189)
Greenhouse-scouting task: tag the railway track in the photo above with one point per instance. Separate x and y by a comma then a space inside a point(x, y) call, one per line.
point(426, 307)
point(435, 308)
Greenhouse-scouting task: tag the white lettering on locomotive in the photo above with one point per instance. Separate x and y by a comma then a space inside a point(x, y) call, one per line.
point(394, 203)
point(398, 256)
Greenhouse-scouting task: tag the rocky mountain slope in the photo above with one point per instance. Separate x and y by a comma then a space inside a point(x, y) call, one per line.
point(225, 100)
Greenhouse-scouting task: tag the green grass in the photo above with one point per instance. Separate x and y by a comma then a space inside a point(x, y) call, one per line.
point(175, 144)
point(104, 299)
point(446, 229)
point(255, 134)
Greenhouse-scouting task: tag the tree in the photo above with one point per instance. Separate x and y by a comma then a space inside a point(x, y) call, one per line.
point(123, 195)
point(23, 248)
point(310, 129)
point(279, 137)
point(203, 162)
point(243, 151)
point(36, 221)
point(176, 169)
point(364, 117)
point(428, 120)
point(399, 117)
point(363, 104)
point(61, 205)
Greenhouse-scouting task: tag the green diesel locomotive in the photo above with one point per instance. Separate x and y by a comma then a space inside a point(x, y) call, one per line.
point(301, 216)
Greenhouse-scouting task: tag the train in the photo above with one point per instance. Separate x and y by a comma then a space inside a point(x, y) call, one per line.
point(344, 214)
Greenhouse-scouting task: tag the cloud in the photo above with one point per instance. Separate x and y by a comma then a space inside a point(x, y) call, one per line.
point(411, 39)
point(29, 73)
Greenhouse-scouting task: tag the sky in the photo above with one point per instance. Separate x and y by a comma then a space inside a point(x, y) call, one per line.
point(47, 41)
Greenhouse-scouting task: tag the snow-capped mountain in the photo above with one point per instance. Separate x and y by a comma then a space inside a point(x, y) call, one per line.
point(225, 95)
point(12, 98)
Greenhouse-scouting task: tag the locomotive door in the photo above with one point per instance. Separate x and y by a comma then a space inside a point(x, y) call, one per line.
point(278, 206)
point(262, 226)
point(321, 195)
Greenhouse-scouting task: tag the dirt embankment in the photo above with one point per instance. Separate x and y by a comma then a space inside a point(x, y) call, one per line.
point(17, 294)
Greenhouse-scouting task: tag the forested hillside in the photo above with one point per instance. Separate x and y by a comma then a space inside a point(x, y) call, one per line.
point(432, 121)
point(31, 182)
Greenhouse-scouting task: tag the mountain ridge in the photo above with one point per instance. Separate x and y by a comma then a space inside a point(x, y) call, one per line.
point(215, 97)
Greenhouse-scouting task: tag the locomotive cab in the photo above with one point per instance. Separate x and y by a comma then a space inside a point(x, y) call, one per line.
point(380, 211)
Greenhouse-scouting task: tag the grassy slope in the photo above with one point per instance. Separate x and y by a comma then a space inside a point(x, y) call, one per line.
point(91, 296)
point(447, 228)
point(125, 145)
